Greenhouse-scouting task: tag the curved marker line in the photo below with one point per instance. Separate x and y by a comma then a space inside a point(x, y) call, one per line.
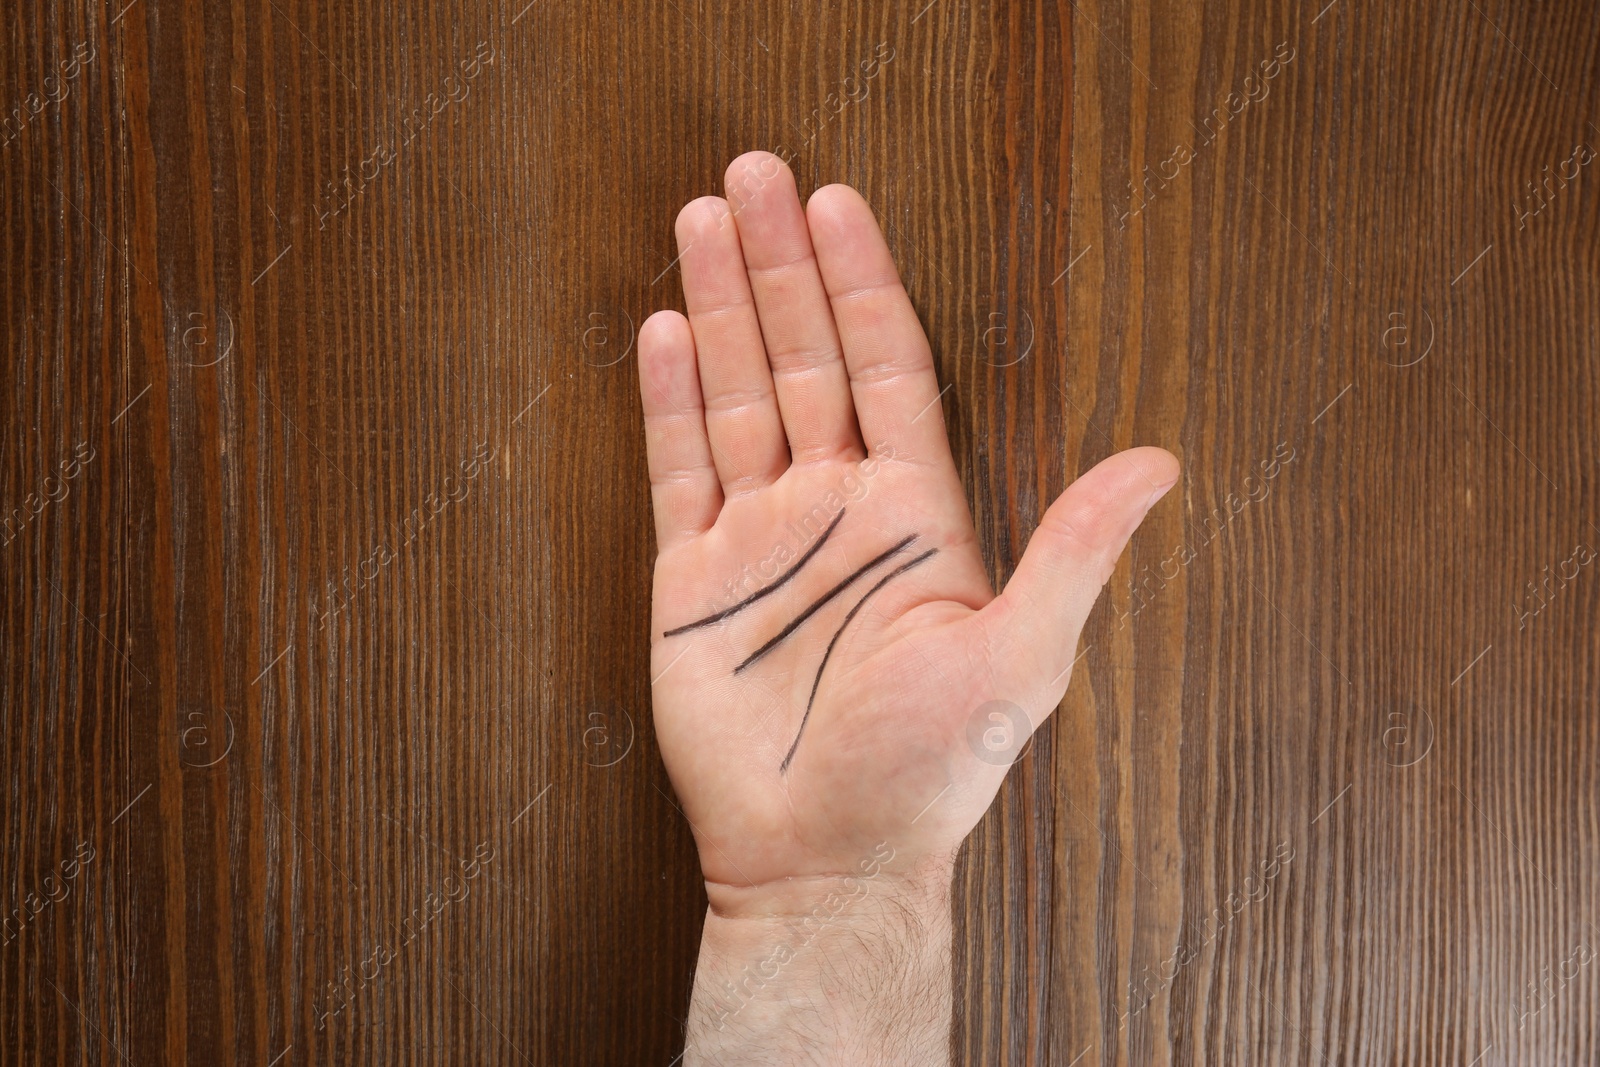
point(784, 766)
point(819, 602)
point(753, 597)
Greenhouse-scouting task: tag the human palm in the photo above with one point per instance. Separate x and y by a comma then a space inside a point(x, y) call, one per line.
point(831, 669)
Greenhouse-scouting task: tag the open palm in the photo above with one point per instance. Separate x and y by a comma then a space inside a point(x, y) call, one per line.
point(832, 672)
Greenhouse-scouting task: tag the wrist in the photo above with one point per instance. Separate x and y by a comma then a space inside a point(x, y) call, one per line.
point(837, 969)
point(921, 884)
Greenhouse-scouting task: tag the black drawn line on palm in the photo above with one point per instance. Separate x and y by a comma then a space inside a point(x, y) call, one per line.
point(839, 587)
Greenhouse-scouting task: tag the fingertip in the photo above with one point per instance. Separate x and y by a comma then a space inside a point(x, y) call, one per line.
point(1156, 468)
point(1165, 466)
point(700, 216)
point(836, 193)
point(752, 172)
point(766, 209)
point(666, 346)
point(664, 323)
point(830, 207)
point(849, 243)
point(1099, 511)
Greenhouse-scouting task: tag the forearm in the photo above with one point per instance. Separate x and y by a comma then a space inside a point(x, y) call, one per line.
point(853, 971)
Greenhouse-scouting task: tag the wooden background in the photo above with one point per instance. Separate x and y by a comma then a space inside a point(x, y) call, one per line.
point(326, 729)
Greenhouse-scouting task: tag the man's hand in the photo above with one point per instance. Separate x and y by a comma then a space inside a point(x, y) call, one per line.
point(838, 692)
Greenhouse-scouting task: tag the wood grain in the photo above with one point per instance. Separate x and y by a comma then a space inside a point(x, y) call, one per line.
point(325, 691)
point(1310, 675)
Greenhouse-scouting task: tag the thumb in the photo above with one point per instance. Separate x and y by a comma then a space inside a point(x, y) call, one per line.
point(1069, 558)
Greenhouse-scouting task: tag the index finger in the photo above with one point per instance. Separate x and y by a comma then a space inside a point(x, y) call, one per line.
point(891, 366)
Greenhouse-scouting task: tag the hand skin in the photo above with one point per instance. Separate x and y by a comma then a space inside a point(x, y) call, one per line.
point(827, 937)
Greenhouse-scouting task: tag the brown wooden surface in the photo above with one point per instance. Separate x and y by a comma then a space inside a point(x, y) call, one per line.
point(328, 551)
